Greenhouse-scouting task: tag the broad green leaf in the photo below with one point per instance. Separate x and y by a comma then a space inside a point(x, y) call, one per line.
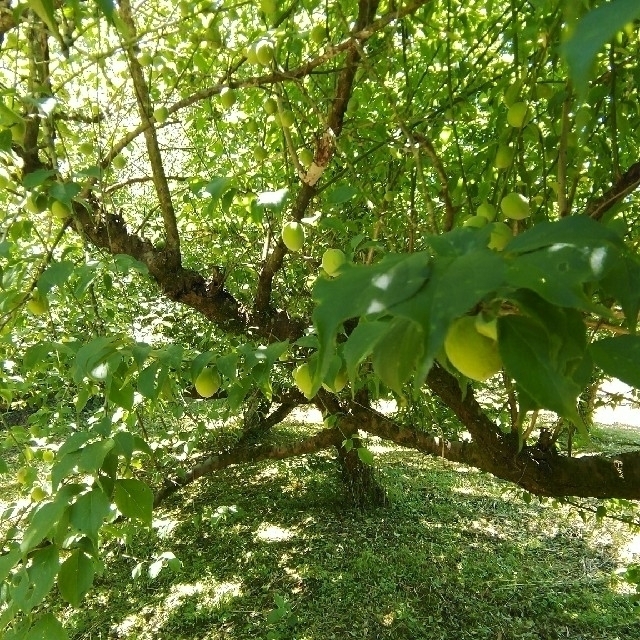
point(559, 272)
point(623, 283)
point(107, 8)
point(528, 357)
point(121, 393)
point(8, 561)
point(217, 186)
point(227, 365)
point(619, 357)
point(365, 455)
point(64, 466)
point(42, 522)
point(362, 340)
point(460, 241)
point(200, 362)
point(93, 454)
point(37, 178)
point(125, 443)
point(363, 290)
point(147, 381)
point(44, 11)
point(42, 575)
point(75, 577)
point(48, 627)
point(341, 194)
point(74, 442)
point(456, 285)
point(134, 500)
point(579, 231)
point(89, 512)
point(91, 354)
point(65, 191)
point(123, 264)
point(395, 355)
point(37, 356)
point(592, 32)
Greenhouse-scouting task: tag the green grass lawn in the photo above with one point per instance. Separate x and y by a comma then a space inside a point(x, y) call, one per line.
point(268, 551)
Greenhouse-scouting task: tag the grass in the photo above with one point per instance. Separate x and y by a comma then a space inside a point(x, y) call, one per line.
point(269, 552)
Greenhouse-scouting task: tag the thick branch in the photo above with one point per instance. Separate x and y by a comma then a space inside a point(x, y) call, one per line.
point(243, 455)
point(540, 471)
point(323, 153)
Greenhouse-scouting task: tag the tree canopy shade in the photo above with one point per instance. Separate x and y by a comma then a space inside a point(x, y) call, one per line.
point(172, 177)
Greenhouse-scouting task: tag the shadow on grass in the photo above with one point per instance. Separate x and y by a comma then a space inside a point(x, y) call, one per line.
point(269, 552)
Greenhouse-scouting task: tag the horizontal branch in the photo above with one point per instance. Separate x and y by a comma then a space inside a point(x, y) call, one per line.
point(245, 455)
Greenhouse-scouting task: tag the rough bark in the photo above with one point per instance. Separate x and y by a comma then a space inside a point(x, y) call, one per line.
point(362, 489)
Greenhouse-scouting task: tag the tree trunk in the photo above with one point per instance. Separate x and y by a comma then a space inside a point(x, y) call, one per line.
point(362, 489)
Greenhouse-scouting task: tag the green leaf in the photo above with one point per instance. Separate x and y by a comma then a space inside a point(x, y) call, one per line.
point(56, 275)
point(365, 455)
point(619, 357)
point(76, 577)
point(42, 523)
point(107, 8)
point(92, 456)
point(360, 291)
point(121, 393)
point(37, 178)
point(200, 362)
point(396, 354)
point(65, 465)
point(65, 191)
point(341, 194)
point(134, 500)
point(147, 381)
point(528, 355)
point(125, 443)
point(89, 512)
point(217, 186)
point(578, 231)
point(74, 442)
point(361, 343)
point(558, 273)
point(42, 575)
point(90, 355)
point(591, 33)
point(8, 561)
point(44, 10)
point(48, 627)
point(456, 285)
point(623, 283)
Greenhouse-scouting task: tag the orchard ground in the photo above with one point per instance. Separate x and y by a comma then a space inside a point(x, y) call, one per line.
point(268, 551)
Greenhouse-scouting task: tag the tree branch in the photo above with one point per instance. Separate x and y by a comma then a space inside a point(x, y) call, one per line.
point(153, 149)
point(243, 455)
point(324, 150)
point(628, 182)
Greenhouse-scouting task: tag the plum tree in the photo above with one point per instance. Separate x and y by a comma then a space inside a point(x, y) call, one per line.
point(200, 242)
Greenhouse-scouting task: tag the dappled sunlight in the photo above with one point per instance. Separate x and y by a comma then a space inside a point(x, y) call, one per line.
point(272, 533)
point(148, 622)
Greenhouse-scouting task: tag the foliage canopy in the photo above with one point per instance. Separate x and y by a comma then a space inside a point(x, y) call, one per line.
point(467, 159)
